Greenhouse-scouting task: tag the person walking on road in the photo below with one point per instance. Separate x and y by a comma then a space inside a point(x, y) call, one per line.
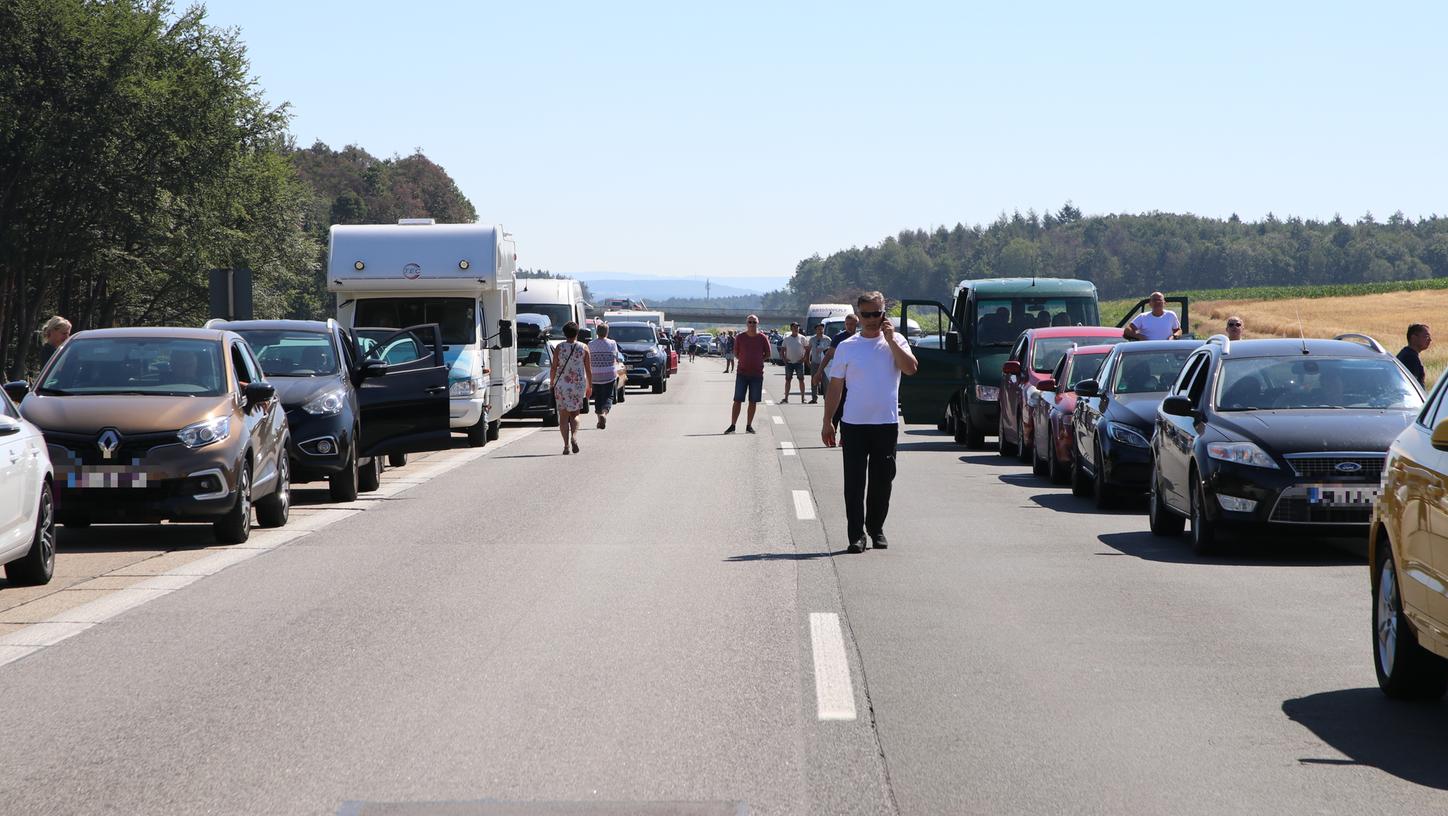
point(870, 364)
point(796, 352)
point(728, 352)
point(841, 336)
point(818, 345)
point(1419, 339)
point(1160, 323)
point(572, 383)
point(603, 360)
point(1234, 328)
point(751, 349)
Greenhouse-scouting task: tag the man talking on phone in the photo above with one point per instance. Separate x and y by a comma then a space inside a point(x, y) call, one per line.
point(869, 364)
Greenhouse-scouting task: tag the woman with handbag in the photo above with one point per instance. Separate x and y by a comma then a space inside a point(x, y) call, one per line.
point(572, 384)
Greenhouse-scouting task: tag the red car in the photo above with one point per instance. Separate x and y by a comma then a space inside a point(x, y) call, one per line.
point(1032, 359)
point(1052, 407)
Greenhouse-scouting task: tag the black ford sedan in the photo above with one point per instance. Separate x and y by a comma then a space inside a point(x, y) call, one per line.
point(1115, 411)
point(1277, 433)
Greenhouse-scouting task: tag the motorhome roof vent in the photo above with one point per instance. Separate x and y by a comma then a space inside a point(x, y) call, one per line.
point(416, 222)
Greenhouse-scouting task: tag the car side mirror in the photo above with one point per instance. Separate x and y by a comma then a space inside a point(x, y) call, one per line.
point(1178, 405)
point(952, 342)
point(1440, 435)
point(9, 426)
point(17, 391)
point(258, 392)
point(505, 333)
point(1047, 384)
point(1012, 368)
point(371, 367)
point(1088, 388)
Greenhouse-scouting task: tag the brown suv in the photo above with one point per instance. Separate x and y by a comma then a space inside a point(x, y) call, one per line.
point(145, 425)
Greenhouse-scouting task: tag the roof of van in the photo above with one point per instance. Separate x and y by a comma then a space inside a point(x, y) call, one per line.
point(418, 257)
point(548, 290)
point(1026, 287)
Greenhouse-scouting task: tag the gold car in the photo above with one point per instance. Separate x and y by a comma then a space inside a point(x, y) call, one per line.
point(1408, 553)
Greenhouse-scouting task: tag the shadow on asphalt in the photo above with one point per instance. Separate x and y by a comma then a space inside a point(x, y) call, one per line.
point(989, 459)
point(121, 537)
point(1400, 738)
point(943, 445)
point(783, 556)
point(1237, 552)
point(1027, 479)
point(1064, 502)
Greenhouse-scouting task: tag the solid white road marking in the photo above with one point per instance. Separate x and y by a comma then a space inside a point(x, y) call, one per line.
point(803, 505)
point(786, 448)
point(834, 693)
point(778, 420)
point(769, 402)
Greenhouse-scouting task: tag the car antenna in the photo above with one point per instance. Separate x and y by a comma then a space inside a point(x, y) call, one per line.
point(1301, 335)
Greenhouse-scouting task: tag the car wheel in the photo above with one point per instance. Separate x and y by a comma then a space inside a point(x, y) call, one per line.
point(1023, 453)
point(1204, 530)
point(550, 419)
point(235, 526)
point(1002, 446)
point(658, 383)
point(369, 475)
point(1038, 465)
point(1080, 481)
point(273, 510)
point(1406, 671)
point(1055, 471)
point(944, 424)
point(38, 565)
point(1102, 492)
point(343, 486)
point(494, 428)
point(397, 460)
point(618, 395)
point(478, 433)
point(1160, 518)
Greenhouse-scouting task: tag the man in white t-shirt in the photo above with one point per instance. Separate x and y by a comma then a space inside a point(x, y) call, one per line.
point(795, 351)
point(603, 360)
point(1159, 324)
point(869, 364)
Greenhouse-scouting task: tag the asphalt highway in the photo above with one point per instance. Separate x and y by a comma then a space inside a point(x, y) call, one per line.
point(668, 623)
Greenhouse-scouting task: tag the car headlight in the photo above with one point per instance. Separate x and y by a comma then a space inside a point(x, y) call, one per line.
point(328, 404)
point(1128, 436)
point(204, 433)
point(654, 355)
point(1241, 453)
point(467, 388)
point(987, 393)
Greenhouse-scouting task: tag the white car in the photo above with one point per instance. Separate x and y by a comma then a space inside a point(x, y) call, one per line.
point(27, 507)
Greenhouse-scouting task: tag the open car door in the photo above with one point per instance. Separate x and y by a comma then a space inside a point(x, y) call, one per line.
point(941, 374)
point(402, 391)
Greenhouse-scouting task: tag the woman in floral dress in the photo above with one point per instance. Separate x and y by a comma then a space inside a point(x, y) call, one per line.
point(572, 384)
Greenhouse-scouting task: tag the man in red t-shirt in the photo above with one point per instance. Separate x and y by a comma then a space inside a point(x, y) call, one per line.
point(751, 350)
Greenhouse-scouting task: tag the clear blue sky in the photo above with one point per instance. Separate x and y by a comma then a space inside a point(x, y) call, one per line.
point(736, 139)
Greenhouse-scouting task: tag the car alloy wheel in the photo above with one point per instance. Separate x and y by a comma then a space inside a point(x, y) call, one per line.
point(1204, 530)
point(273, 510)
point(235, 526)
point(1021, 452)
point(1405, 669)
point(1387, 619)
point(38, 565)
point(1161, 519)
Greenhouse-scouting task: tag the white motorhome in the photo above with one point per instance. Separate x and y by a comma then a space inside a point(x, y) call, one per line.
point(459, 276)
point(559, 300)
point(824, 312)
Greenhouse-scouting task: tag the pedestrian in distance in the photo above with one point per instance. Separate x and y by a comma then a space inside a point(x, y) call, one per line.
point(819, 344)
point(1419, 339)
point(52, 336)
point(751, 352)
point(728, 352)
point(572, 378)
point(795, 351)
point(1160, 323)
point(603, 360)
point(870, 364)
point(851, 322)
point(1234, 328)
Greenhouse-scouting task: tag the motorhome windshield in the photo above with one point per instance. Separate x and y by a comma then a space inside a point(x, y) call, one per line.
point(999, 321)
point(135, 365)
point(456, 316)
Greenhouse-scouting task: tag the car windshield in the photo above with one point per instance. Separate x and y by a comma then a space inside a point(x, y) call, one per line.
point(292, 353)
point(999, 321)
point(456, 316)
point(632, 334)
point(1048, 351)
point(557, 314)
point(137, 365)
point(535, 355)
point(1297, 382)
point(1083, 367)
point(1149, 372)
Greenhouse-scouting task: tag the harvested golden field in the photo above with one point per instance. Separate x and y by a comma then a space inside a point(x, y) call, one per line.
point(1385, 317)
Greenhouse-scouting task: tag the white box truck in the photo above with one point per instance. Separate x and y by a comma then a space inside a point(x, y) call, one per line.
point(825, 313)
point(460, 276)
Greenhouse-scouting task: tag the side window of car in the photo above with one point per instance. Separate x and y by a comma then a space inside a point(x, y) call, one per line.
point(1189, 371)
point(239, 366)
point(7, 407)
point(253, 366)
point(1019, 353)
point(1059, 375)
point(1433, 412)
point(348, 353)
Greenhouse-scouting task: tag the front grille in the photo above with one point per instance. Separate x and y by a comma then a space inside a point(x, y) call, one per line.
point(1298, 510)
point(1324, 467)
point(633, 358)
point(83, 449)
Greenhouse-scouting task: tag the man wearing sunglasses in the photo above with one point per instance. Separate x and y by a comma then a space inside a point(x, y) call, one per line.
point(869, 364)
point(751, 351)
point(1234, 328)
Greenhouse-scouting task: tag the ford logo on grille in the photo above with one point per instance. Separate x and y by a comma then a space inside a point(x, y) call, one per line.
point(1348, 467)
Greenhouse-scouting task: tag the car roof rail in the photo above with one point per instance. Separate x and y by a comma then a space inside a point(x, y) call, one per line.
point(1356, 336)
point(214, 322)
point(1223, 340)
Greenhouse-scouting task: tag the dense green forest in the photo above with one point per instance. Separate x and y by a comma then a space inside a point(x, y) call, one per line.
point(1128, 255)
point(136, 153)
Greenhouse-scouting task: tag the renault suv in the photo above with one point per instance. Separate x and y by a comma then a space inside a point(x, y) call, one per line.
point(156, 424)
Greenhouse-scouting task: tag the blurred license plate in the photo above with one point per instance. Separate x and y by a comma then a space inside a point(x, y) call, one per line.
point(115, 477)
point(1341, 495)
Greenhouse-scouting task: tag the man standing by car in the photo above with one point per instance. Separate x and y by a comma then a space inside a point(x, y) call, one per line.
point(1234, 328)
point(751, 350)
point(818, 346)
point(794, 350)
point(1159, 324)
point(1419, 339)
point(603, 358)
point(870, 363)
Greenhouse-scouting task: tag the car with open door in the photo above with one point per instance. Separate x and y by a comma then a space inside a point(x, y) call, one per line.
point(1115, 413)
point(350, 409)
point(1281, 435)
point(1053, 406)
point(1033, 357)
point(27, 503)
point(145, 425)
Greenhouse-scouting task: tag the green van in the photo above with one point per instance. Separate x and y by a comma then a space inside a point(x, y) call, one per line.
point(962, 347)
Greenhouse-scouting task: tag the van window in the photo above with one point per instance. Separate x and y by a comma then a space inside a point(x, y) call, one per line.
point(1000, 320)
point(557, 314)
point(456, 316)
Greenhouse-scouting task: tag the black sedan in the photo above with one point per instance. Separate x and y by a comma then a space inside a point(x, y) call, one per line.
point(1286, 434)
point(1111, 427)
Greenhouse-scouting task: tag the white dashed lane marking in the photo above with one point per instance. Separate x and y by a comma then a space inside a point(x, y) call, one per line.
point(834, 693)
point(803, 505)
point(786, 448)
point(778, 420)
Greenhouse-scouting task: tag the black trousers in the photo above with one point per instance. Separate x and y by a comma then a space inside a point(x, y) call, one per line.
point(869, 454)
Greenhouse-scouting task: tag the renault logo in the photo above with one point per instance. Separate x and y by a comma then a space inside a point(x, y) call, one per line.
point(108, 442)
point(1348, 467)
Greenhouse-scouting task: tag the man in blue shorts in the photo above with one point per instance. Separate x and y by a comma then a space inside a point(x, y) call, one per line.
point(751, 352)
